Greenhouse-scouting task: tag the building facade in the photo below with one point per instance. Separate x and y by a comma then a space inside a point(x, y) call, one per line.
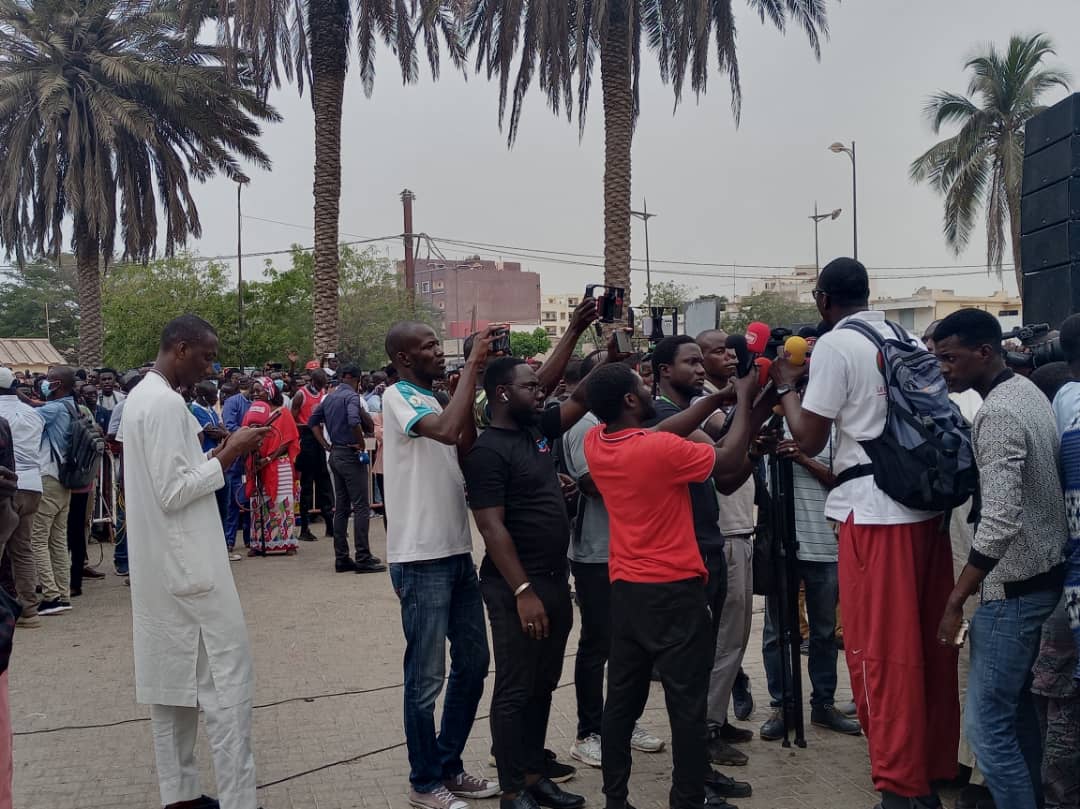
point(473, 293)
point(555, 314)
point(918, 310)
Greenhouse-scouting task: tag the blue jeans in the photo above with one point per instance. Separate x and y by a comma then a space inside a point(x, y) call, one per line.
point(1000, 720)
point(234, 518)
point(440, 601)
point(822, 595)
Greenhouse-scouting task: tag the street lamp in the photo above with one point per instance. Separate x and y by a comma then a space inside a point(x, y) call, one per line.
point(837, 148)
point(817, 218)
point(645, 216)
point(241, 181)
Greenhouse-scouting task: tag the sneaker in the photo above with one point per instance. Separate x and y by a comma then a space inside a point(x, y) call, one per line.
point(644, 742)
point(732, 735)
point(121, 571)
point(722, 753)
point(848, 709)
point(555, 770)
point(54, 607)
point(28, 621)
point(741, 698)
point(65, 604)
point(438, 798)
point(307, 536)
point(587, 750)
point(464, 785)
point(829, 718)
point(235, 557)
point(773, 729)
point(719, 785)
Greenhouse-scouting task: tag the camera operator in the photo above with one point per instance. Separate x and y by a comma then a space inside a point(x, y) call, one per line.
point(895, 565)
point(660, 611)
point(1015, 558)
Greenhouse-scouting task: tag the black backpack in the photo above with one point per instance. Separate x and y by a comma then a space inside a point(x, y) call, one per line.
point(923, 459)
point(84, 451)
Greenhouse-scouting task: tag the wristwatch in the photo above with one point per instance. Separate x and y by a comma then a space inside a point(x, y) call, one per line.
point(783, 390)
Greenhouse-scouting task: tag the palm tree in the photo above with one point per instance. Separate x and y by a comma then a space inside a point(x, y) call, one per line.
point(308, 40)
point(103, 102)
point(981, 165)
point(562, 38)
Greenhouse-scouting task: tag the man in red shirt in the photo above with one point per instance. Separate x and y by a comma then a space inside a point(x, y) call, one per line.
point(659, 613)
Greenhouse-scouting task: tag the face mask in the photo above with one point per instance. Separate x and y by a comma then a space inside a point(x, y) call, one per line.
point(46, 389)
point(279, 384)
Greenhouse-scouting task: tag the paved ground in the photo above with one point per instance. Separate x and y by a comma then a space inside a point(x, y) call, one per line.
point(328, 731)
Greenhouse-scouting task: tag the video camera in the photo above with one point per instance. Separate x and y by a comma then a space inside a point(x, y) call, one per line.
point(1038, 355)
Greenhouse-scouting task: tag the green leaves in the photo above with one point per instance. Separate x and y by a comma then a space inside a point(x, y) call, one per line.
point(527, 345)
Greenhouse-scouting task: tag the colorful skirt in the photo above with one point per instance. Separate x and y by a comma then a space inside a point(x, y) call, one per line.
point(273, 523)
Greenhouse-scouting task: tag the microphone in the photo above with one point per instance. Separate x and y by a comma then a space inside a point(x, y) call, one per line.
point(763, 364)
point(738, 344)
point(757, 337)
point(796, 348)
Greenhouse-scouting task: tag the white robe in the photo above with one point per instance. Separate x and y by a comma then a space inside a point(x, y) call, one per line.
point(181, 585)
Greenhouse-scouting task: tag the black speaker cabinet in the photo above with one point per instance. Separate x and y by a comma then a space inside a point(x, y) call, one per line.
point(1052, 295)
point(1056, 162)
point(1052, 205)
point(1057, 244)
point(1053, 124)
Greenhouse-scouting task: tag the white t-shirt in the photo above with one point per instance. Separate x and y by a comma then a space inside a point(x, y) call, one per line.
point(426, 514)
point(1066, 405)
point(847, 385)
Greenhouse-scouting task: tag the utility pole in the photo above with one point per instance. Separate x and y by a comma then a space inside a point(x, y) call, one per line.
point(407, 198)
point(240, 273)
point(645, 216)
point(48, 328)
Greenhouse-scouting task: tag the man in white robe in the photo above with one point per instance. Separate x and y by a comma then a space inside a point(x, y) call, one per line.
point(191, 642)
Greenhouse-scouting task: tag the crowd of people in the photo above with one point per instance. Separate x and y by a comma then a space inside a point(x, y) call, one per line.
point(640, 479)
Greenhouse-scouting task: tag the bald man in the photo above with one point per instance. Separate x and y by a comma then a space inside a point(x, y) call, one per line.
point(429, 547)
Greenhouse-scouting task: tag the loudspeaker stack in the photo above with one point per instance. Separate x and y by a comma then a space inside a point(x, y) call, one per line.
point(1050, 214)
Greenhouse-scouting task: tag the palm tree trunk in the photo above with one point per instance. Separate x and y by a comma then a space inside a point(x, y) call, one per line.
point(618, 137)
point(91, 333)
point(329, 52)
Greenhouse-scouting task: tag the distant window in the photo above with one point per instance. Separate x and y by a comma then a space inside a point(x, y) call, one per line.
point(442, 305)
point(549, 316)
point(907, 318)
point(438, 285)
point(571, 301)
point(562, 330)
point(550, 330)
point(562, 315)
point(425, 286)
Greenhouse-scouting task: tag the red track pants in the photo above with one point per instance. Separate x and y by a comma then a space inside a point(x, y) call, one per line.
point(894, 582)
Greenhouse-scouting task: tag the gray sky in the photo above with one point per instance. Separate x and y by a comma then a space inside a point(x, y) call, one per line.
point(723, 194)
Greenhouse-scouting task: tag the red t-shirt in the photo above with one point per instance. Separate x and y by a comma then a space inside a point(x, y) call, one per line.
point(308, 402)
point(643, 476)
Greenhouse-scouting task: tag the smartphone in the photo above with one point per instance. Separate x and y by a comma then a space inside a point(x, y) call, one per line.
point(622, 342)
point(500, 343)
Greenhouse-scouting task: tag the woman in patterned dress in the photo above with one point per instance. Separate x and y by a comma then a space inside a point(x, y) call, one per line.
point(271, 477)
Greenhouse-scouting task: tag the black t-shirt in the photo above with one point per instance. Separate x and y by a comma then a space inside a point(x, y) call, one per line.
point(514, 469)
point(702, 495)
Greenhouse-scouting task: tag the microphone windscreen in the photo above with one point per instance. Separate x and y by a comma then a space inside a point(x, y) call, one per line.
point(796, 348)
point(763, 364)
point(757, 337)
point(808, 332)
point(737, 343)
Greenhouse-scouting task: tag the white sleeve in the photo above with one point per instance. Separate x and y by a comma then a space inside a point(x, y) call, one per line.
point(827, 391)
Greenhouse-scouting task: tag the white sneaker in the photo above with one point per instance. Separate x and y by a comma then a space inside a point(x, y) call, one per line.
point(469, 786)
point(587, 750)
point(644, 741)
point(438, 798)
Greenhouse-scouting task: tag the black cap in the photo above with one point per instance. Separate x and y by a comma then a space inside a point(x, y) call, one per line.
point(845, 279)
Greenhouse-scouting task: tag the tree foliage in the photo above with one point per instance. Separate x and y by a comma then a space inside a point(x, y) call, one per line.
point(528, 344)
point(769, 307)
point(27, 294)
point(672, 294)
point(981, 165)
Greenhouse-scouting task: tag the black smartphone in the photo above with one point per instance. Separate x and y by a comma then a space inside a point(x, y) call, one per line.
point(500, 343)
point(622, 342)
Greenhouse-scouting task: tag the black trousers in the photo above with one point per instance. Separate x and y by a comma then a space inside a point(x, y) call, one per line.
point(666, 626)
point(526, 673)
point(593, 588)
point(351, 485)
point(715, 588)
point(311, 466)
point(76, 536)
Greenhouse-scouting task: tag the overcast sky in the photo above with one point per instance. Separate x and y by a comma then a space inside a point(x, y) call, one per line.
point(723, 194)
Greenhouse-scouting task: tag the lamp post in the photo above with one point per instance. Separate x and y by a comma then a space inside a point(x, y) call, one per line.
point(837, 148)
point(645, 216)
point(817, 218)
point(241, 181)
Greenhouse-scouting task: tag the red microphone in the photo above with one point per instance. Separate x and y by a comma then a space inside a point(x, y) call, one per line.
point(763, 365)
point(757, 337)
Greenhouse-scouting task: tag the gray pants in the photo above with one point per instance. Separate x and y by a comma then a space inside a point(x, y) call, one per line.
point(734, 632)
point(351, 488)
point(15, 545)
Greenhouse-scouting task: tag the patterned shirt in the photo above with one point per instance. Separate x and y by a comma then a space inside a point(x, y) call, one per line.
point(1021, 531)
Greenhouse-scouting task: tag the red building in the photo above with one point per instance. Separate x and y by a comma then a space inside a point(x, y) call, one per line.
point(472, 293)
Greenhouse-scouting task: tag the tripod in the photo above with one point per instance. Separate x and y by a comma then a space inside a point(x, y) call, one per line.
point(784, 604)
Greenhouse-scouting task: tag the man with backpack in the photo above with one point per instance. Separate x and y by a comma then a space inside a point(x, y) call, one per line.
point(49, 537)
point(895, 561)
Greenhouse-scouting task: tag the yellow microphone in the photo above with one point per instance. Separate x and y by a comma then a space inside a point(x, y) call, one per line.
point(796, 349)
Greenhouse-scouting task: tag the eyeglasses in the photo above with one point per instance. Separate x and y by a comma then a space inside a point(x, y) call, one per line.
point(817, 293)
